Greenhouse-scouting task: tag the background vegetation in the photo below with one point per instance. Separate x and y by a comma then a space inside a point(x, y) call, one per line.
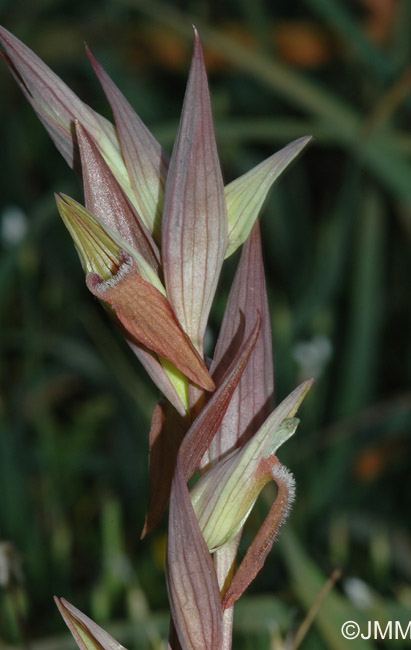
point(75, 407)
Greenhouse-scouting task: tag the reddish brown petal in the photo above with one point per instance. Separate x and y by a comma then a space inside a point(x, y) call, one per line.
point(252, 401)
point(166, 433)
point(106, 200)
point(205, 426)
point(194, 218)
point(264, 540)
point(147, 316)
point(194, 594)
point(146, 161)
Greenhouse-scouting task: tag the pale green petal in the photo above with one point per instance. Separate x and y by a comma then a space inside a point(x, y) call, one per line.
point(246, 194)
point(179, 381)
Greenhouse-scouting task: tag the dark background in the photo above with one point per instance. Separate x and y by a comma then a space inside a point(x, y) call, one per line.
point(75, 407)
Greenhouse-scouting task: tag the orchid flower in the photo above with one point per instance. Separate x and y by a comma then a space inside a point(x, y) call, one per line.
point(152, 238)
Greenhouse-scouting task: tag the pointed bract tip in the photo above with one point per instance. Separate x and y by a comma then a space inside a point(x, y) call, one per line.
point(91, 56)
point(298, 145)
point(62, 605)
point(86, 633)
point(302, 142)
point(309, 383)
point(306, 138)
point(300, 394)
point(81, 133)
point(66, 604)
point(198, 46)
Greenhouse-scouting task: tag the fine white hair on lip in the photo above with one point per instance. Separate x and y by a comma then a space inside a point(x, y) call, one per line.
point(126, 266)
point(284, 478)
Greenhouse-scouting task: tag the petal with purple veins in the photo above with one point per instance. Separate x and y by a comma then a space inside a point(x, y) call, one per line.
point(193, 589)
point(145, 159)
point(58, 107)
point(107, 201)
point(252, 401)
point(194, 220)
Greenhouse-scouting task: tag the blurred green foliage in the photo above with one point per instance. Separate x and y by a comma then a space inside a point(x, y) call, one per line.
point(75, 407)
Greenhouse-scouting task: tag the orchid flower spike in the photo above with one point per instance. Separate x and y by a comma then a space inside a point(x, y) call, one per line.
point(152, 238)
